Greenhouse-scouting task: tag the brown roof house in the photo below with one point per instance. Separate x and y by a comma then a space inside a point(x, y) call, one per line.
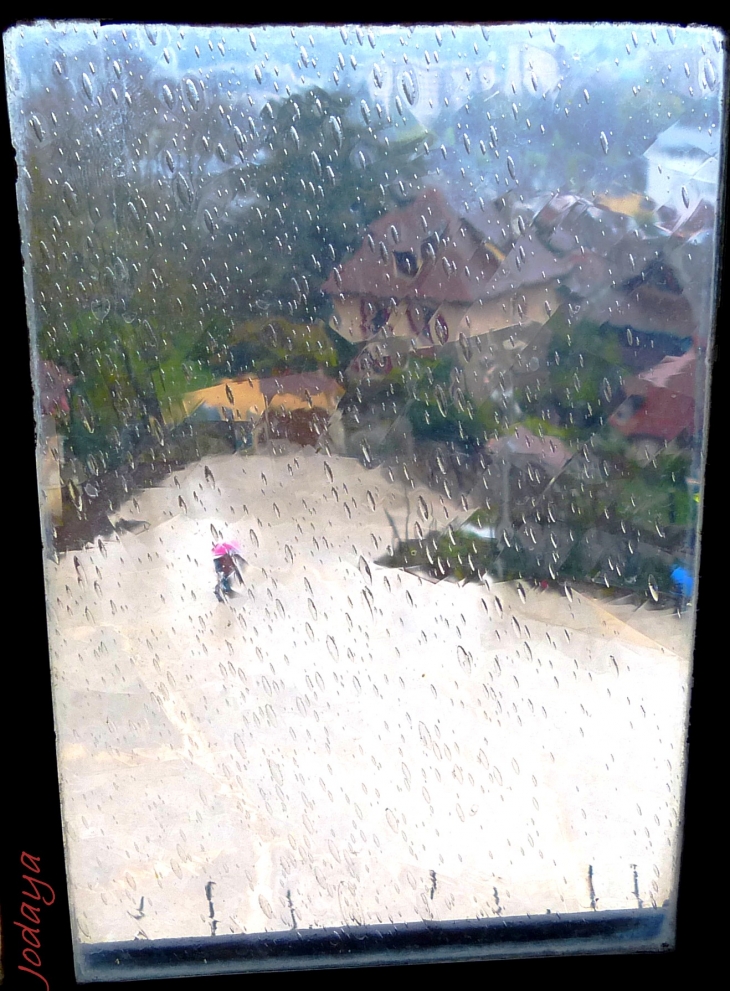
point(416, 274)
point(660, 403)
point(425, 278)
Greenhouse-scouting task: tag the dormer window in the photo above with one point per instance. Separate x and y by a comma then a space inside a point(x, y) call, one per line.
point(406, 263)
point(429, 247)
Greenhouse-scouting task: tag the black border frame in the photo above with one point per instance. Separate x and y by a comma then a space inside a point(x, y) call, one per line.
point(30, 811)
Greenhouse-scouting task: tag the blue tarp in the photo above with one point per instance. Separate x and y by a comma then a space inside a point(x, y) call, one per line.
point(683, 581)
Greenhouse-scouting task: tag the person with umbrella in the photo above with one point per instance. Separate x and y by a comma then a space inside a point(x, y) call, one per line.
point(226, 558)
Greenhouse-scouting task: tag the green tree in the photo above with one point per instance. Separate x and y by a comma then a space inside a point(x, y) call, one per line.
point(315, 181)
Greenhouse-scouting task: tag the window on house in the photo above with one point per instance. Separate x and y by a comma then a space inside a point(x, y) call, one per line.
point(429, 247)
point(406, 263)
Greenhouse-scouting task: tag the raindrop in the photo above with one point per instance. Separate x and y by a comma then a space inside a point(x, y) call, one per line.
point(464, 659)
point(86, 83)
point(257, 73)
point(511, 166)
point(168, 96)
point(36, 127)
point(336, 129)
point(410, 90)
point(191, 92)
point(365, 111)
point(183, 190)
point(70, 198)
point(653, 588)
point(377, 76)
point(685, 196)
point(364, 569)
point(422, 507)
point(332, 648)
point(254, 538)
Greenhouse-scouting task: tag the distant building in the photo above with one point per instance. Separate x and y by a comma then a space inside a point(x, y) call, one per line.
point(660, 403)
point(295, 406)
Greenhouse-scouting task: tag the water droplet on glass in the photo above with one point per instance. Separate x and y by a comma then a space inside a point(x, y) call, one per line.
point(36, 127)
point(100, 308)
point(604, 142)
point(183, 190)
point(70, 198)
point(191, 92)
point(336, 129)
point(364, 568)
point(464, 659)
point(653, 588)
point(410, 90)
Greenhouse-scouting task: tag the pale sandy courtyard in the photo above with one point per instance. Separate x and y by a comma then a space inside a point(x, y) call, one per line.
point(342, 742)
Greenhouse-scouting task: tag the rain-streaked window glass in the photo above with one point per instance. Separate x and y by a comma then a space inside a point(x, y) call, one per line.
point(371, 369)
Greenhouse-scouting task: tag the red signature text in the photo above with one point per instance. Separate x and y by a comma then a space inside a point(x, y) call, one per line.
point(38, 893)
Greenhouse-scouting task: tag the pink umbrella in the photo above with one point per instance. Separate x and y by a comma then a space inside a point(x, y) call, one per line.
point(227, 547)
